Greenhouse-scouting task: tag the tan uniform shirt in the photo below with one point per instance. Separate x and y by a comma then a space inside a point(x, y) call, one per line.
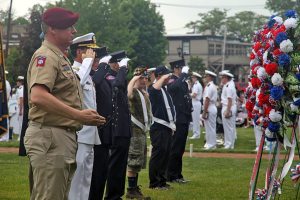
point(49, 67)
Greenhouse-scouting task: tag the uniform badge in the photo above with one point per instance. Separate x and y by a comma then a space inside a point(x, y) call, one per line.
point(171, 81)
point(110, 77)
point(41, 60)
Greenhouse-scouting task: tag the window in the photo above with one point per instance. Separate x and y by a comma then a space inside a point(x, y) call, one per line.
point(218, 49)
point(186, 47)
point(230, 49)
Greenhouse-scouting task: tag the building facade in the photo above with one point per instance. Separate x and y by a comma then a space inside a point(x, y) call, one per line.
point(210, 49)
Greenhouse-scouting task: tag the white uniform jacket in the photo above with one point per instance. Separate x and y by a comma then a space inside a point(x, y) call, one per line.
point(88, 134)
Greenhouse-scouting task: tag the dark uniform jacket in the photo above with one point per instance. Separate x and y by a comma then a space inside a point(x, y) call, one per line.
point(179, 92)
point(159, 108)
point(112, 103)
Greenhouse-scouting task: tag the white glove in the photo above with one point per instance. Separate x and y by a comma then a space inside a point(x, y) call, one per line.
point(105, 59)
point(124, 62)
point(185, 69)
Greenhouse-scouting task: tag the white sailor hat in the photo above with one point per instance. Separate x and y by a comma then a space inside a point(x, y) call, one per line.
point(6, 72)
point(196, 74)
point(151, 69)
point(20, 78)
point(210, 73)
point(226, 73)
point(87, 40)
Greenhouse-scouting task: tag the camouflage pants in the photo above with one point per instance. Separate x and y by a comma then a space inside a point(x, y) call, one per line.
point(137, 156)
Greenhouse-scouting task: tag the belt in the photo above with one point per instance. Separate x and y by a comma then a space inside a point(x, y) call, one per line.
point(69, 129)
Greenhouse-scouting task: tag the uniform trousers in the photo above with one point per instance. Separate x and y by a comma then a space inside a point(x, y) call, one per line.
point(177, 149)
point(52, 156)
point(196, 118)
point(5, 137)
point(229, 127)
point(161, 144)
point(210, 127)
point(81, 182)
point(258, 134)
point(110, 162)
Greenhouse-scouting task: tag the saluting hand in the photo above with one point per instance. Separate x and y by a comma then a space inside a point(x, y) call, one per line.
point(88, 54)
point(91, 117)
point(166, 76)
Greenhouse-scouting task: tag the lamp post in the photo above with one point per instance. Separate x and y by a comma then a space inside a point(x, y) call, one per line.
point(180, 53)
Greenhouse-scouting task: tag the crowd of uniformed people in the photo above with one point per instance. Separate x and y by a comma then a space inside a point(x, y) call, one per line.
point(88, 125)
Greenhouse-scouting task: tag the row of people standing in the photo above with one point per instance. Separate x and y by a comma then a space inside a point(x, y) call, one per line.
point(63, 98)
point(15, 108)
point(209, 114)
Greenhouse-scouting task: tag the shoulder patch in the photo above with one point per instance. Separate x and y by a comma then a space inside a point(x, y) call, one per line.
point(208, 85)
point(110, 77)
point(66, 67)
point(41, 60)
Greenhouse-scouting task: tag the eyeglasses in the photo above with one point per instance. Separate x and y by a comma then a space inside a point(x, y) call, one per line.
point(71, 28)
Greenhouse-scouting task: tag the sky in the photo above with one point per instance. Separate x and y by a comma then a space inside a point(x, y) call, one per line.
point(176, 13)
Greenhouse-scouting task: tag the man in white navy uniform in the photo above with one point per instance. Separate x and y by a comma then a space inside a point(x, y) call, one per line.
point(83, 49)
point(196, 95)
point(20, 96)
point(210, 110)
point(228, 100)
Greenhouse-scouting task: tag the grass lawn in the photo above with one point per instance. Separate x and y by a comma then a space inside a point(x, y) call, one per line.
point(211, 178)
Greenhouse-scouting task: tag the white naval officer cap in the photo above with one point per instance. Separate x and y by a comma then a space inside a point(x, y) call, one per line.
point(87, 40)
point(210, 73)
point(151, 69)
point(196, 74)
point(20, 78)
point(226, 73)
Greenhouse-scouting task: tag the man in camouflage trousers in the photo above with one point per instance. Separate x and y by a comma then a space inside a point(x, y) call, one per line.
point(140, 109)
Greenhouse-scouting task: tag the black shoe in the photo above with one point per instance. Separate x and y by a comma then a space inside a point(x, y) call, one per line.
point(136, 193)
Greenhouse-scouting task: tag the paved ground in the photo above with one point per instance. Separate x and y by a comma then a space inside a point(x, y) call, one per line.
point(195, 154)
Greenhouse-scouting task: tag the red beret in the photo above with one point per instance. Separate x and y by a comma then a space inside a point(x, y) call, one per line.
point(59, 18)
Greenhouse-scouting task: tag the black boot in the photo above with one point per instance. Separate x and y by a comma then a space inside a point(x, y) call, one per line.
point(136, 193)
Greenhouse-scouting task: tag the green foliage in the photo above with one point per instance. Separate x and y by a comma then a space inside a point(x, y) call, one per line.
point(132, 25)
point(243, 24)
point(21, 21)
point(281, 6)
point(210, 21)
point(31, 44)
point(196, 64)
point(149, 27)
point(12, 64)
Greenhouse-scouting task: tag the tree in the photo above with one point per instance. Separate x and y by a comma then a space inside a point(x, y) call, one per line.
point(196, 64)
point(148, 25)
point(30, 44)
point(12, 64)
point(240, 26)
point(282, 6)
point(243, 24)
point(20, 21)
point(211, 21)
point(131, 25)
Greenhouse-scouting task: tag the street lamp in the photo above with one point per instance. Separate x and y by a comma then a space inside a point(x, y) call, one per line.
point(180, 53)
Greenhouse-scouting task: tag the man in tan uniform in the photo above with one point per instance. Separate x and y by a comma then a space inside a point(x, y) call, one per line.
point(55, 103)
